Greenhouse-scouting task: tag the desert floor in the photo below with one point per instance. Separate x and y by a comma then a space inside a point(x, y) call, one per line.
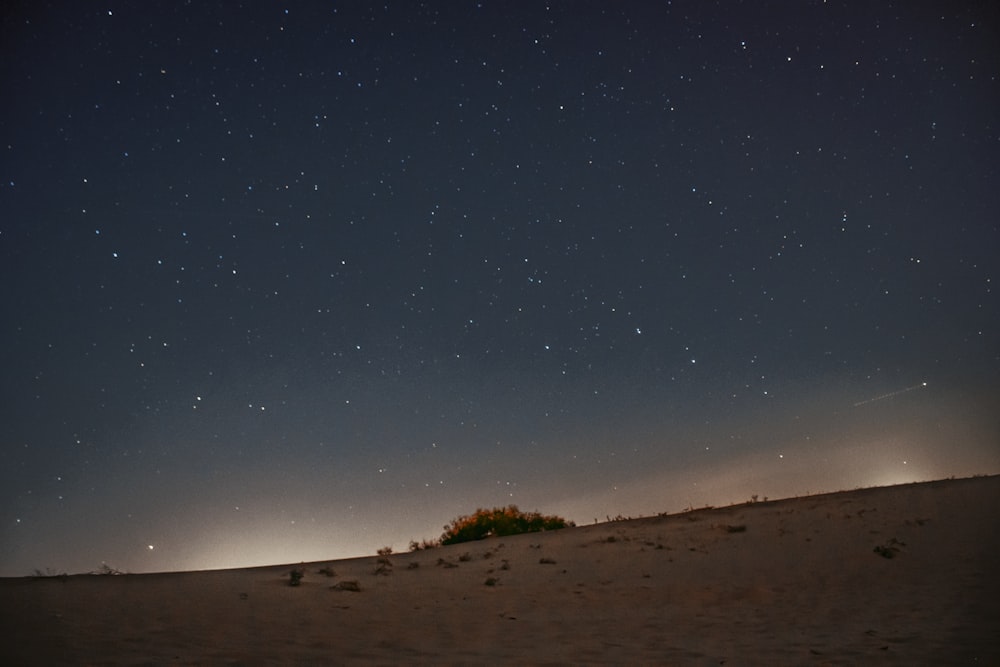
point(895, 575)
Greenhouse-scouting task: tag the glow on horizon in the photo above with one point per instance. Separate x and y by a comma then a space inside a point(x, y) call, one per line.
point(296, 515)
point(863, 465)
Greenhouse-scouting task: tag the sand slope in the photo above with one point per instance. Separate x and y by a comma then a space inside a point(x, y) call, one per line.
point(794, 582)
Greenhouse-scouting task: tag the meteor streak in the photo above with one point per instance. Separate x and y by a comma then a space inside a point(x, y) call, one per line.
point(890, 394)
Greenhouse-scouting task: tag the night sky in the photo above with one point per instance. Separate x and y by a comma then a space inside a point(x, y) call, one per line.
point(295, 281)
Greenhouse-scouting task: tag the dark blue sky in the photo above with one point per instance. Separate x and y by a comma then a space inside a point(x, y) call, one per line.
point(291, 281)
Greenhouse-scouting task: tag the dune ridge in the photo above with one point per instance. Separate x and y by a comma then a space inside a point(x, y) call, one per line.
point(888, 575)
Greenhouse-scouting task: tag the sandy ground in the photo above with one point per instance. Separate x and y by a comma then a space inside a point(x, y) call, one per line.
point(802, 581)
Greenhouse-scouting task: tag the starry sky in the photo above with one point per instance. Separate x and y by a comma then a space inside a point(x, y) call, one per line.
point(295, 281)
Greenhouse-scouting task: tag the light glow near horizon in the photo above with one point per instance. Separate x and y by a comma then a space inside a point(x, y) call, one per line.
point(848, 456)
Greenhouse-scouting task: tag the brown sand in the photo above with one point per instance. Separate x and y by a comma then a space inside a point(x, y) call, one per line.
point(790, 582)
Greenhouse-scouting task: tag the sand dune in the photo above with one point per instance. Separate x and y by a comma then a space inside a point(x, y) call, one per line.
point(895, 575)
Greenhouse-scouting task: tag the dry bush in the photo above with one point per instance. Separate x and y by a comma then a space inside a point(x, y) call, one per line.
point(349, 585)
point(890, 548)
point(424, 544)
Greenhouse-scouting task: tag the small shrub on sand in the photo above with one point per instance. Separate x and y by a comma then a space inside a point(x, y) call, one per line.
point(295, 576)
point(890, 548)
point(382, 564)
point(48, 573)
point(423, 544)
point(349, 585)
point(499, 521)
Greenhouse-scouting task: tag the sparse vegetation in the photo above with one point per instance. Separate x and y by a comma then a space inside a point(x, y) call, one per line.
point(499, 521)
point(890, 548)
point(349, 585)
point(295, 576)
point(383, 565)
point(611, 539)
point(48, 573)
point(424, 544)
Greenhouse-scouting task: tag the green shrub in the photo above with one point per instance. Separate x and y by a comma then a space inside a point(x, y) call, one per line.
point(498, 522)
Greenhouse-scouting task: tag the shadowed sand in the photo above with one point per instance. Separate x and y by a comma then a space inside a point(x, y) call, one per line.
point(894, 575)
